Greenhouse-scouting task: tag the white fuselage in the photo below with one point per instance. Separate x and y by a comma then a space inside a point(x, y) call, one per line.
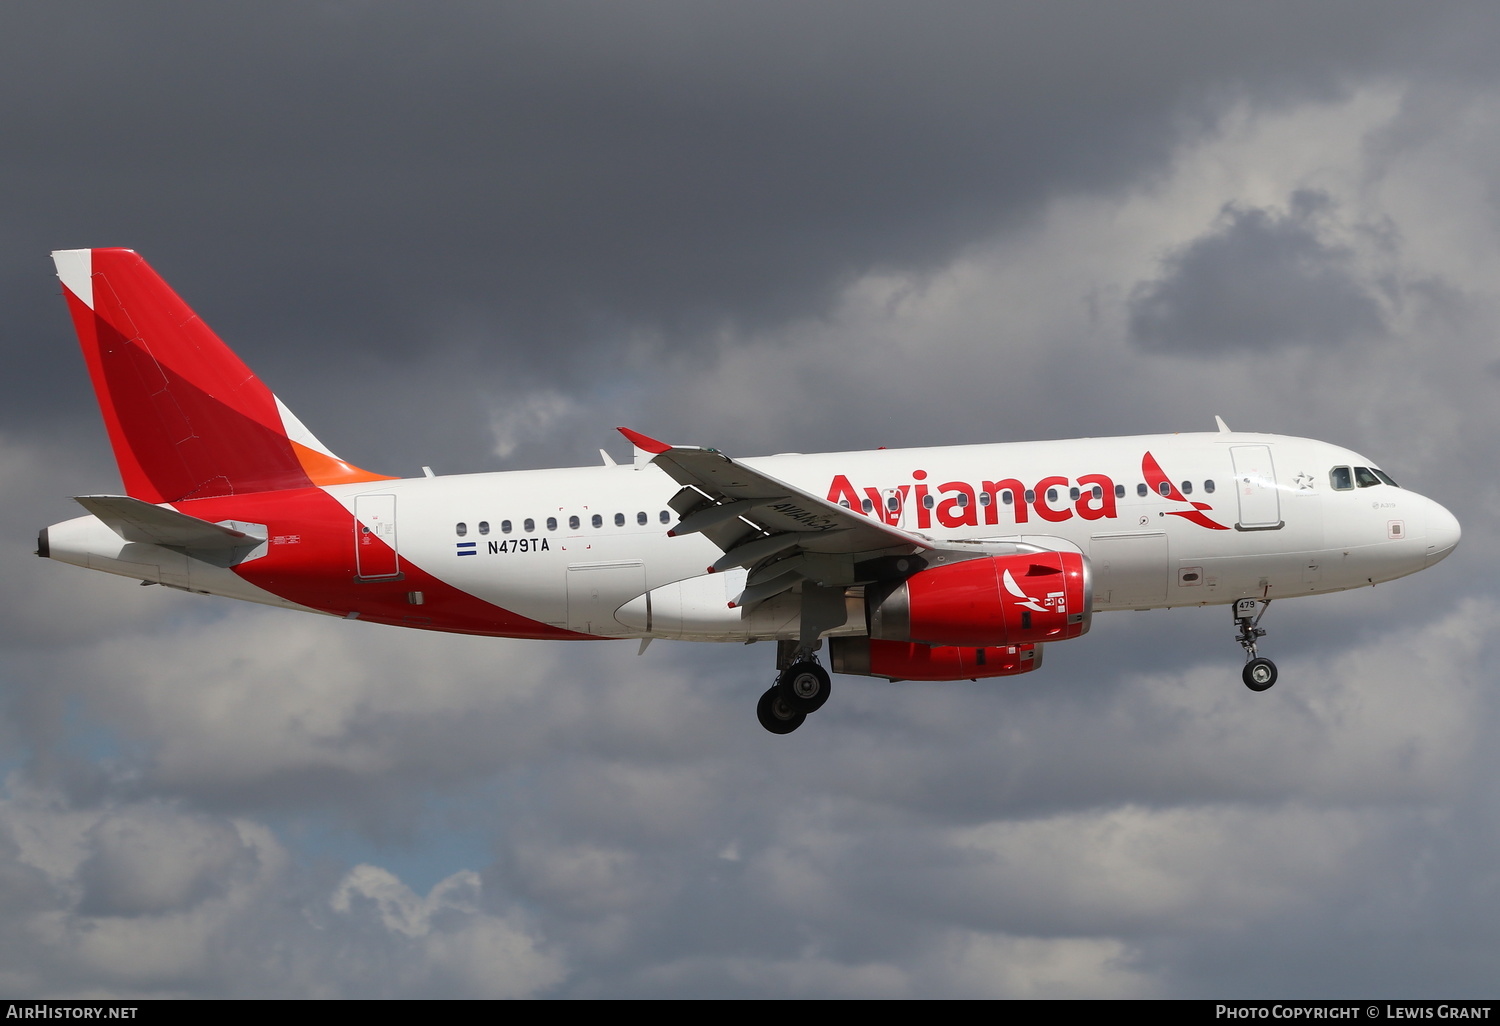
point(1286, 533)
point(1271, 525)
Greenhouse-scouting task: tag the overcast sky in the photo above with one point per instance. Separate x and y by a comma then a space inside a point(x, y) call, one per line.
point(479, 236)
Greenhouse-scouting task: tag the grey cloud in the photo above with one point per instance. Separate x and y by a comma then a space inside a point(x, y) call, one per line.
point(155, 861)
point(144, 900)
point(330, 182)
point(1259, 279)
point(661, 845)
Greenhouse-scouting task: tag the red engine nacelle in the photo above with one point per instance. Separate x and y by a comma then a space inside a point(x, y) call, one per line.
point(1021, 599)
point(906, 660)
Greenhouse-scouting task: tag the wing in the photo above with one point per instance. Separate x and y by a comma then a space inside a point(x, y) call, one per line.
point(781, 533)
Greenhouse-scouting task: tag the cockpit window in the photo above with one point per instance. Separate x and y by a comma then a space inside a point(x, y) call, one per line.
point(1384, 477)
point(1341, 479)
point(1365, 478)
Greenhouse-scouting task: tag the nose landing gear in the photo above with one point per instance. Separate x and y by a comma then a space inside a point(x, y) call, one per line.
point(1259, 673)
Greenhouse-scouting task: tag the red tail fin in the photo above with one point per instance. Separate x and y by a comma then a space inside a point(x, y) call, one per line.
point(186, 418)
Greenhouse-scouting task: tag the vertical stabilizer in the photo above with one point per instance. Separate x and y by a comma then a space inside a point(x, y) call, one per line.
point(187, 419)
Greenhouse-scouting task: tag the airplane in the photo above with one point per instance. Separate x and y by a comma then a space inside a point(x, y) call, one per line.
point(938, 564)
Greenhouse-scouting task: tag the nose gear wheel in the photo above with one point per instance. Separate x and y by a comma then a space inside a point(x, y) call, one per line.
point(1259, 674)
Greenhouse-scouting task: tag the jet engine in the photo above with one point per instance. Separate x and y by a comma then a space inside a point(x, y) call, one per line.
point(993, 601)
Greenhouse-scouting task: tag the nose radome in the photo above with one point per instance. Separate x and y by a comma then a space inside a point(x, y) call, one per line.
point(1443, 533)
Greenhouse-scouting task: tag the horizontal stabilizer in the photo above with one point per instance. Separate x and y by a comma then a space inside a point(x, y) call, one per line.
point(137, 521)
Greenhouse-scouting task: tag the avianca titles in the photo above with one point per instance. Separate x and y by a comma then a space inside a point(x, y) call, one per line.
point(949, 563)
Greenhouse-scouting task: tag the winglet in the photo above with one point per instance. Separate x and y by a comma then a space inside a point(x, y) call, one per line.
point(1223, 427)
point(644, 442)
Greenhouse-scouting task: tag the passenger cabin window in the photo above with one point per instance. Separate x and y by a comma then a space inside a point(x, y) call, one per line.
point(1165, 487)
point(1119, 491)
point(867, 505)
point(1051, 494)
point(528, 525)
point(1030, 495)
point(505, 527)
point(1341, 478)
point(640, 518)
point(844, 503)
point(572, 523)
point(927, 502)
point(1006, 497)
point(484, 527)
point(893, 504)
point(619, 519)
point(1208, 486)
point(963, 500)
point(1365, 478)
point(664, 517)
point(1140, 490)
point(597, 520)
point(460, 528)
point(1073, 494)
point(1187, 488)
point(551, 523)
point(1098, 491)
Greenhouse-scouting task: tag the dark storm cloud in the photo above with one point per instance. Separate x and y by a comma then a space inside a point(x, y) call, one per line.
point(1258, 280)
point(333, 180)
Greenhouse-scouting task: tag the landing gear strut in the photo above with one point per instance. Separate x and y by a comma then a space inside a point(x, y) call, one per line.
point(1259, 673)
point(801, 688)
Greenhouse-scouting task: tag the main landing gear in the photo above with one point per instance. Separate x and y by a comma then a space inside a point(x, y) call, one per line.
point(800, 689)
point(1259, 673)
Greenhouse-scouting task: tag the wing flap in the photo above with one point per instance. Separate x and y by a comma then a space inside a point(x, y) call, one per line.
point(715, 514)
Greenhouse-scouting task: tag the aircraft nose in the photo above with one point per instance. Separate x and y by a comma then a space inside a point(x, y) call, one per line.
point(1443, 533)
